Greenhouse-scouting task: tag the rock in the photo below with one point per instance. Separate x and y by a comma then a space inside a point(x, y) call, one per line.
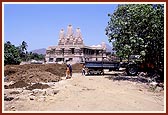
point(140, 90)
point(6, 78)
point(38, 91)
point(31, 94)
point(32, 97)
point(8, 98)
point(161, 85)
point(55, 91)
point(44, 93)
point(16, 98)
point(158, 89)
point(6, 86)
point(14, 92)
point(153, 83)
point(12, 107)
point(30, 76)
point(50, 92)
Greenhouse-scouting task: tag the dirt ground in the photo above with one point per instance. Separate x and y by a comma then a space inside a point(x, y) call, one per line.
point(78, 94)
point(35, 73)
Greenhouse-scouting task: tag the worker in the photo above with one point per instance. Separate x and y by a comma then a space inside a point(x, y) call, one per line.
point(83, 70)
point(70, 69)
point(67, 72)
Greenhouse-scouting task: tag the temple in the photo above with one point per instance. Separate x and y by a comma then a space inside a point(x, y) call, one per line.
point(71, 48)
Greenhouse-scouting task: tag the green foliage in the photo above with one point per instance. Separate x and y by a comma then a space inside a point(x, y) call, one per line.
point(11, 54)
point(138, 29)
point(36, 56)
point(14, 55)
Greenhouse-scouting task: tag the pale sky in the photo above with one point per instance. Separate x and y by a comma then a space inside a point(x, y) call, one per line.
point(39, 24)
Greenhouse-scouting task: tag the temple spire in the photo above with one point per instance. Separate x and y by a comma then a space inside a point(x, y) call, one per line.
point(69, 31)
point(61, 37)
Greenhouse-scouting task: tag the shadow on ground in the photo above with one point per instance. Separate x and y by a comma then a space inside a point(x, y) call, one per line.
point(128, 78)
point(118, 77)
point(122, 76)
point(106, 74)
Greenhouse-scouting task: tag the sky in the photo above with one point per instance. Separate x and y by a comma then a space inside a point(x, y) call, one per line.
point(39, 24)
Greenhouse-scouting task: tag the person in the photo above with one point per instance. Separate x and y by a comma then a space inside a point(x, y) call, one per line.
point(70, 69)
point(67, 72)
point(83, 70)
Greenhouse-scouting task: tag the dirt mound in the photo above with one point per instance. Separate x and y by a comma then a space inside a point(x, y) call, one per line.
point(77, 68)
point(19, 84)
point(11, 69)
point(38, 86)
point(34, 76)
point(53, 68)
point(35, 73)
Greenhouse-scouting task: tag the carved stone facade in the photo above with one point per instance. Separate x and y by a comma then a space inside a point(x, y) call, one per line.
point(71, 48)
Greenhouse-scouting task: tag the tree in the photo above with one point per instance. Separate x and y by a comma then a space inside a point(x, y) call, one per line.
point(11, 54)
point(37, 56)
point(23, 46)
point(14, 55)
point(138, 29)
point(23, 50)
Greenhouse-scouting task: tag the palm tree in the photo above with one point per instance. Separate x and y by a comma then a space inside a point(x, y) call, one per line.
point(23, 46)
point(23, 50)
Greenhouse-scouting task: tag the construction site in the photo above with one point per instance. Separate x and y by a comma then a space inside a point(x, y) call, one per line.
point(43, 87)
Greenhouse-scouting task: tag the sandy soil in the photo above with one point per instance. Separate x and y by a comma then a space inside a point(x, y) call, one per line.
point(86, 93)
